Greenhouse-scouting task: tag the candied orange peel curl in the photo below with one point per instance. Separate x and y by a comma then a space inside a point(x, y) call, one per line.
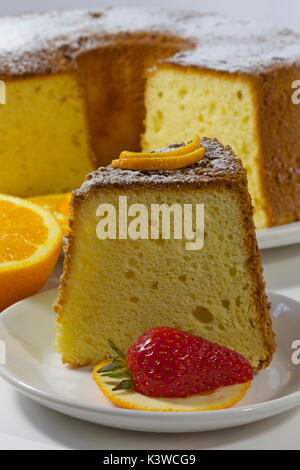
point(188, 148)
point(180, 157)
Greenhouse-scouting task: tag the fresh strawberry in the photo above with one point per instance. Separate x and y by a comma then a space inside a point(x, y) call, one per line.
point(167, 362)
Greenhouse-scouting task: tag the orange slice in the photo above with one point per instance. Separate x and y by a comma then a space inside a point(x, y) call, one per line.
point(161, 163)
point(223, 397)
point(58, 204)
point(30, 243)
point(194, 145)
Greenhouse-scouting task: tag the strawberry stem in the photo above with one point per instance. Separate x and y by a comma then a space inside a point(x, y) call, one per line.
point(126, 384)
point(116, 349)
point(110, 367)
point(115, 374)
point(117, 368)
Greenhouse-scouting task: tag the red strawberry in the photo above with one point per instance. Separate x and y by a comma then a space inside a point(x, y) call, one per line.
point(167, 362)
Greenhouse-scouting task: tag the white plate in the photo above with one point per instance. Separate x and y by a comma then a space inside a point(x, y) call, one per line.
point(282, 235)
point(33, 368)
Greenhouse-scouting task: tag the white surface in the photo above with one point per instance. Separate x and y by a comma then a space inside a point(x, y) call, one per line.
point(28, 329)
point(282, 235)
point(25, 423)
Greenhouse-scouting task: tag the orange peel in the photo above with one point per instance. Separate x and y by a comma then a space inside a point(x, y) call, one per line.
point(161, 163)
point(223, 397)
point(188, 148)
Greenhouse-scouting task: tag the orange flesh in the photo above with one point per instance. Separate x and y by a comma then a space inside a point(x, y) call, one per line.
point(30, 242)
point(58, 205)
point(21, 230)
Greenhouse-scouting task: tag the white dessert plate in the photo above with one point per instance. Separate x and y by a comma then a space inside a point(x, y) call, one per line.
point(282, 235)
point(34, 369)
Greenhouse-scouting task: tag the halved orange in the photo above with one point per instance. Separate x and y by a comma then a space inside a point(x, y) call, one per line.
point(223, 397)
point(58, 204)
point(30, 243)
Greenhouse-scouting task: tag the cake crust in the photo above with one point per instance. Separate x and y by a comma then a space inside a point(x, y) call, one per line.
point(277, 119)
point(49, 42)
point(266, 56)
point(220, 168)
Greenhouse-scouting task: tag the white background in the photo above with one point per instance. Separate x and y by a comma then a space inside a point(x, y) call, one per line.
point(280, 12)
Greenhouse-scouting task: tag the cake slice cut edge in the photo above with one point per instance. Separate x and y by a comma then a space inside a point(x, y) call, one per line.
point(121, 288)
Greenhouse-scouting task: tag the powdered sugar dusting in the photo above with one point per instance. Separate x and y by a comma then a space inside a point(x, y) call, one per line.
point(219, 163)
point(32, 40)
point(239, 45)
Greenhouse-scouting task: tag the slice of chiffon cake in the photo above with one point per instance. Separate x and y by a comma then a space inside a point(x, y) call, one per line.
point(119, 288)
